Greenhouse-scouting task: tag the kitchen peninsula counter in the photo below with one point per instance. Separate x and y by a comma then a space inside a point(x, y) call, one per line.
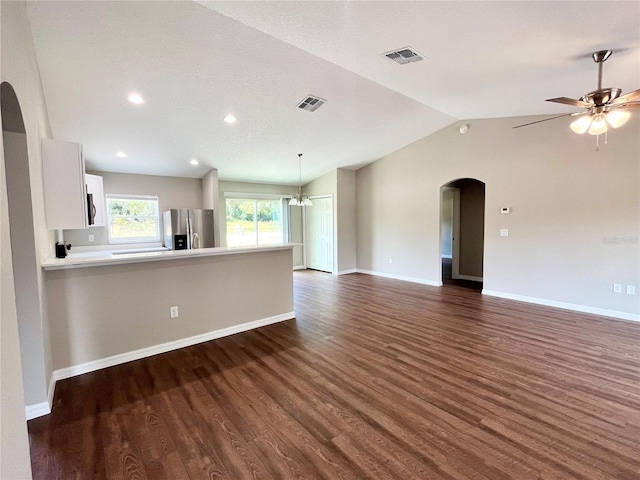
point(119, 257)
point(104, 308)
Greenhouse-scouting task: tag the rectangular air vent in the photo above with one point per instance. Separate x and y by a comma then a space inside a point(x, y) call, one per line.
point(311, 103)
point(404, 55)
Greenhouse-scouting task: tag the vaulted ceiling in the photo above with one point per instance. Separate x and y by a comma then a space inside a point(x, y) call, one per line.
point(195, 62)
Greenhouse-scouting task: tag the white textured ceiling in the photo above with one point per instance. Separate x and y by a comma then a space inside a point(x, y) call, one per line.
point(196, 62)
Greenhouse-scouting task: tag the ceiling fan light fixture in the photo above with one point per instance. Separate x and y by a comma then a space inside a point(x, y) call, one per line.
point(598, 126)
point(581, 125)
point(617, 118)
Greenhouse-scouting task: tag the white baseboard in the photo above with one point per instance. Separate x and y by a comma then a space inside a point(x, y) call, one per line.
point(43, 408)
point(566, 306)
point(52, 390)
point(37, 410)
point(299, 267)
point(166, 347)
point(347, 272)
point(468, 277)
point(400, 277)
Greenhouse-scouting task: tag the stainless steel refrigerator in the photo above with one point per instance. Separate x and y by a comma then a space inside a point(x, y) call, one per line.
point(188, 228)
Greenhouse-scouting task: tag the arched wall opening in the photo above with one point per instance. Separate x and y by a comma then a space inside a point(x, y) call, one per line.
point(462, 205)
point(23, 247)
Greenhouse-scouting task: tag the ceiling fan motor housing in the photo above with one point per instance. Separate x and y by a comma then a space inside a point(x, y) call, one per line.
point(601, 97)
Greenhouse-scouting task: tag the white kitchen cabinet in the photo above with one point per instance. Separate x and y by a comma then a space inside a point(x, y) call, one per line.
point(65, 194)
point(95, 187)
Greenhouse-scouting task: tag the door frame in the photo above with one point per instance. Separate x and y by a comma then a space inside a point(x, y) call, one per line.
point(333, 233)
point(455, 232)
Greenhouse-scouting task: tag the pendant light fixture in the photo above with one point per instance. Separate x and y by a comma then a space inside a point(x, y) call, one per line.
point(300, 199)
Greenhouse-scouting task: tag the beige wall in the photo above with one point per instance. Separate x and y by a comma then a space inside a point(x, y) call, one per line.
point(14, 445)
point(346, 220)
point(172, 192)
point(26, 267)
point(98, 312)
point(295, 213)
point(573, 230)
point(19, 68)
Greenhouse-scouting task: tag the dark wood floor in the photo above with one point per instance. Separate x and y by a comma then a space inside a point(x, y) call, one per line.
point(375, 379)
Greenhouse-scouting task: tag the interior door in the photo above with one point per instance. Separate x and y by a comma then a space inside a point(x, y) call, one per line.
point(319, 226)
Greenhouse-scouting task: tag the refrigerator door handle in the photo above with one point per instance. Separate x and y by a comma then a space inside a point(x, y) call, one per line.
point(189, 230)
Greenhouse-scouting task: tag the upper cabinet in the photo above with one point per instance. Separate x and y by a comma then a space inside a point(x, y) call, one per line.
point(65, 194)
point(96, 201)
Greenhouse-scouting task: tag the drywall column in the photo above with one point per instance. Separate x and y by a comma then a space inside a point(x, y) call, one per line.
point(14, 445)
point(25, 267)
point(210, 200)
point(346, 221)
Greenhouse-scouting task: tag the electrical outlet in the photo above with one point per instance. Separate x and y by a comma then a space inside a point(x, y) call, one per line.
point(617, 288)
point(91, 238)
point(173, 311)
point(390, 260)
point(631, 290)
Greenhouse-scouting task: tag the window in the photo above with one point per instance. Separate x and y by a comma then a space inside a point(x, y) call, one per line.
point(255, 222)
point(133, 218)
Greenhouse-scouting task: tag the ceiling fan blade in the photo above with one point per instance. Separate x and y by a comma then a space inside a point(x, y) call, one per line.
point(570, 101)
point(627, 106)
point(627, 97)
point(550, 118)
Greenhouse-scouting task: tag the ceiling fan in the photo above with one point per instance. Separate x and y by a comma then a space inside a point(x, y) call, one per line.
point(604, 106)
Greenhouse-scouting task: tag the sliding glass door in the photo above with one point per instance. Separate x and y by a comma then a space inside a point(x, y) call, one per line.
point(254, 222)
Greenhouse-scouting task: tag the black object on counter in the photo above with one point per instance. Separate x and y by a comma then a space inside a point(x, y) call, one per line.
point(180, 242)
point(61, 249)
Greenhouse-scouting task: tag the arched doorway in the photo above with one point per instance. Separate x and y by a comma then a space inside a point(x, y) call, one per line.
point(23, 252)
point(462, 232)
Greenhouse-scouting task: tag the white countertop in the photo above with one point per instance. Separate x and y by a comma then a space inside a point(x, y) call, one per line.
point(102, 257)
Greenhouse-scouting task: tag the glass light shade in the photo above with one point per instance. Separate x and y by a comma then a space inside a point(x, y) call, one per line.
point(598, 126)
point(581, 125)
point(306, 202)
point(617, 118)
point(293, 202)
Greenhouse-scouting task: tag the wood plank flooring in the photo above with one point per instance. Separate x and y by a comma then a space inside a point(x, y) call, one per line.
point(376, 379)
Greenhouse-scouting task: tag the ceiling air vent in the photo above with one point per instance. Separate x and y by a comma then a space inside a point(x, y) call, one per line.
point(404, 55)
point(311, 103)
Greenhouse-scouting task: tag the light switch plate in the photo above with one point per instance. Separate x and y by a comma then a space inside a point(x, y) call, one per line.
point(504, 232)
point(631, 290)
point(617, 288)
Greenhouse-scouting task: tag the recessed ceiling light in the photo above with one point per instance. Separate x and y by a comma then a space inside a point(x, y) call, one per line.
point(135, 98)
point(230, 119)
point(194, 161)
point(121, 155)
